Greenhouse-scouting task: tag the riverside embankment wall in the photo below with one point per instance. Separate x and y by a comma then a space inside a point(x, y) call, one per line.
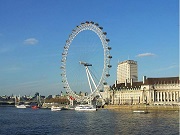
point(143, 107)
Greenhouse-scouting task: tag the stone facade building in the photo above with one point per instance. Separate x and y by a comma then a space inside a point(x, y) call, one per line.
point(126, 71)
point(153, 91)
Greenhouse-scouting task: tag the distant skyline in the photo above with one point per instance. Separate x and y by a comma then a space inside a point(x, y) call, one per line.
point(33, 34)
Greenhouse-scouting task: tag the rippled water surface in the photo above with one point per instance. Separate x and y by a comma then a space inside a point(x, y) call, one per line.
point(68, 122)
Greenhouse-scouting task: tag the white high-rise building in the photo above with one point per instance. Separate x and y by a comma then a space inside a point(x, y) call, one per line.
point(127, 71)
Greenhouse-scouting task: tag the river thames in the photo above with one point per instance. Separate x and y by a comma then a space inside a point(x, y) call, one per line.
point(15, 121)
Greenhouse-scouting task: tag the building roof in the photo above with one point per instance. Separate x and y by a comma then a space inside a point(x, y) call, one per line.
point(128, 85)
point(165, 80)
point(149, 81)
point(129, 62)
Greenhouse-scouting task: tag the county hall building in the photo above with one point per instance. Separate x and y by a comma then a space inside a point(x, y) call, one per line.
point(128, 91)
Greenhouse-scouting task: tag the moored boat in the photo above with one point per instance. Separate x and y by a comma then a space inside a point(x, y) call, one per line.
point(140, 111)
point(20, 106)
point(27, 106)
point(55, 108)
point(67, 107)
point(34, 107)
point(85, 108)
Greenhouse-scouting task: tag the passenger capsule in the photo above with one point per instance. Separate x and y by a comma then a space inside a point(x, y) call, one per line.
point(87, 22)
point(105, 33)
point(105, 83)
point(109, 48)
point(92, 22)
point(107, 40)
point(96, 24)
point(101, 28)
point(109, 66)
point(107, 75)
point(64, 53)
point(110, 57)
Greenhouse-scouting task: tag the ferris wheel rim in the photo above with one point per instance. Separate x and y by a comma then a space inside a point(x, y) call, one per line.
point(106, 66)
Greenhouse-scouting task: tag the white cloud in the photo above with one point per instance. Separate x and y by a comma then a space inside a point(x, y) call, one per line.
point(31, 41)
point(145, 54)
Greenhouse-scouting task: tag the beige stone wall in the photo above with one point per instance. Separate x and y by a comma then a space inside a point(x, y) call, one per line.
point(147, 94)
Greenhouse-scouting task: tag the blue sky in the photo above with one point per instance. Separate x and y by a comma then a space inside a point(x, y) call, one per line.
point(33, 33)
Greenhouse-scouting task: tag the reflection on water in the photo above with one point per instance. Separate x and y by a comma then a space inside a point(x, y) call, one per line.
point(150, 123)
point(42, 121)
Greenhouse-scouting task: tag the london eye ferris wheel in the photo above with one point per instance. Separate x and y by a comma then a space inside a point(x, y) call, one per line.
point(85, 62)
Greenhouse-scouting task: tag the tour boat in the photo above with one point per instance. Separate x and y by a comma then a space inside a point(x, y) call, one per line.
point(55, 108)
point(67, 107)
point(85, 108)
point(20, 106)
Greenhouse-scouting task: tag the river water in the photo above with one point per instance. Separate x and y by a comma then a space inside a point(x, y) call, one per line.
point(15, 121)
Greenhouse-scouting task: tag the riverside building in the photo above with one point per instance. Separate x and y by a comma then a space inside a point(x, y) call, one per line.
point(126, 71)
point(152, 91)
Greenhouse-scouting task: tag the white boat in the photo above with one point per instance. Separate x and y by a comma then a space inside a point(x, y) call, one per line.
point(85, 108)
point(55, 108)
point(140, 111)
point(20, 106)
point(17, 103)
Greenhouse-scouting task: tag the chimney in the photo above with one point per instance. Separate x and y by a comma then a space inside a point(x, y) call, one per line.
point(144, 79)
point(131, 81)
point(126, 82)
point(115, 83)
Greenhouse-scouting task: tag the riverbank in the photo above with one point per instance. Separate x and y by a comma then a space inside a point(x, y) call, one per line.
point(143, 107)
